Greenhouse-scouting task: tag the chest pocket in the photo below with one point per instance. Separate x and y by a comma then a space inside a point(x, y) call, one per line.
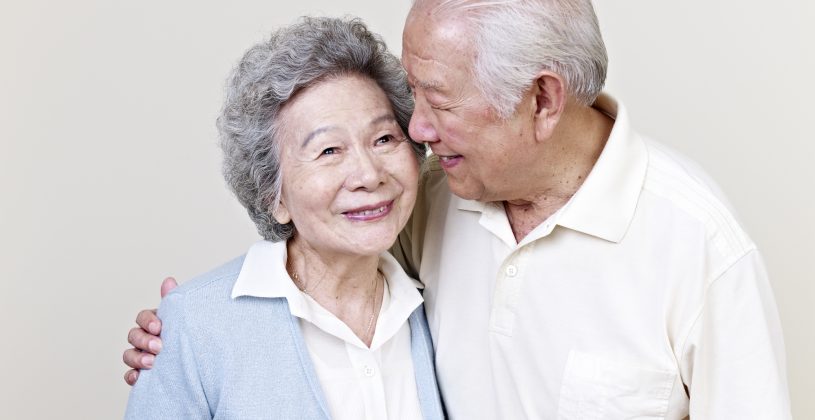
point(599, 389)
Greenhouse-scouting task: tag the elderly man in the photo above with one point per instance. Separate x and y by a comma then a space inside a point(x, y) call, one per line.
point(573, 269)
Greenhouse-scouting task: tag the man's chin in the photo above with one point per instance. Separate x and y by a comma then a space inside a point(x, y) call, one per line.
point(466, 190)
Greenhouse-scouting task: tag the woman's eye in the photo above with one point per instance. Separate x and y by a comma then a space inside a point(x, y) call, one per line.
point(329, 151)
point(385, 139)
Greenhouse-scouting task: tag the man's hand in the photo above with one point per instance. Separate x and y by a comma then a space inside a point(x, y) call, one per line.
point(145, 338)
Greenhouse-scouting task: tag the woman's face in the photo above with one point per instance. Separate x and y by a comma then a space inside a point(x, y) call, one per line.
point(349, 174)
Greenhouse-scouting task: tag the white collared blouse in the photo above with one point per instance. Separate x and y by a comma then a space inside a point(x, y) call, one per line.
point(358, 382)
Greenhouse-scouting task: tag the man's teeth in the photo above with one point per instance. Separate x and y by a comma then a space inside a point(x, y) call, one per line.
point(447, 158)
point(369, 212)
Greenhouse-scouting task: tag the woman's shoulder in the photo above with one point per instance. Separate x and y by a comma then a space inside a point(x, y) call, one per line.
point(206, 310)
point(204, 295)
point(219, 278)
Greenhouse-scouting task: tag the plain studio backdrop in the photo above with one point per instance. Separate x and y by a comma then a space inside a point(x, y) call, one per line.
point(110, 171)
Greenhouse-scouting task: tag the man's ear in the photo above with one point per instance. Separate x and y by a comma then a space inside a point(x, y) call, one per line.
point(281, 213)
point(550, 100)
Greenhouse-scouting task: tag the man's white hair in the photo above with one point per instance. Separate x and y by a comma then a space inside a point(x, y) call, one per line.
point(515, 39)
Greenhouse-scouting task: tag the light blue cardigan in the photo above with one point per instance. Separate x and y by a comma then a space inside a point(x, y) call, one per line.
point(245, 358)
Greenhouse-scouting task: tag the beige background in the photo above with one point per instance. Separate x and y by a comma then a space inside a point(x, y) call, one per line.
point(109, 172)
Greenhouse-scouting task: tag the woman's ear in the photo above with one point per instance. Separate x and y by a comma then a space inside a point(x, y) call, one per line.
point(281, 213)
point(550, 100)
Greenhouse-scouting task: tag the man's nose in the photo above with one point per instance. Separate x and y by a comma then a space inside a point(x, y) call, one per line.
point(421, 127)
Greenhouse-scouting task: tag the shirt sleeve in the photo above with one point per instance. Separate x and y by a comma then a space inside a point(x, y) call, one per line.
point(733, 362)
point(172, 389)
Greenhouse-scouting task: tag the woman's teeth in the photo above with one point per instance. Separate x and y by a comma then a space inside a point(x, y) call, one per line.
point(368, 212)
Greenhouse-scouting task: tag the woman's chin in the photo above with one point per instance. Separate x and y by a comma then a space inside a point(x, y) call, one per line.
point(372, 249)
point(352, 240)
point(372, 245)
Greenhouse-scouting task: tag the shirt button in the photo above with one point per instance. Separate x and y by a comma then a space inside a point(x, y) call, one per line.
point(511, 270)
point(368, 371)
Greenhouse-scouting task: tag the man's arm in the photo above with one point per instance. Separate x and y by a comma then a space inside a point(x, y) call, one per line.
point(144, 338)
point(733, 361)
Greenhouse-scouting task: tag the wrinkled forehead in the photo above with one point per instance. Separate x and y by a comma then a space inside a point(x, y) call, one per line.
point(429, 35)
point(349, 102)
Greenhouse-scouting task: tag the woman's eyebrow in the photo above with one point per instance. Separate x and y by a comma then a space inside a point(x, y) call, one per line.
point(383, 118)
point(316, 133)
point(320, 130)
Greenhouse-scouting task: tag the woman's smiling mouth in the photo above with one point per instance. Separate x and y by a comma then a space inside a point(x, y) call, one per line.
point(368, 213)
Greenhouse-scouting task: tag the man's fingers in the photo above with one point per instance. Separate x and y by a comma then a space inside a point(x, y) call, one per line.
point(138, 359)
point(167, 285)
point(131, 376)
point(149, 322)
point(144, 341)
point(145, 338)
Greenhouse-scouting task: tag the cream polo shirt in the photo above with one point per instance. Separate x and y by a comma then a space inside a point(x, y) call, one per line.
point(358, 382)
point(641, 298)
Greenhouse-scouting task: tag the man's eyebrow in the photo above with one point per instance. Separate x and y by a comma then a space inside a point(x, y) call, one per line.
point(427, 84)
point(316, 133)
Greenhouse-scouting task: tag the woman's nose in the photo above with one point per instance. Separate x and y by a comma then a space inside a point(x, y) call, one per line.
point(366, 172)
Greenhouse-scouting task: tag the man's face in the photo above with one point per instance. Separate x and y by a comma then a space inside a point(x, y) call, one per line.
point(483, 156)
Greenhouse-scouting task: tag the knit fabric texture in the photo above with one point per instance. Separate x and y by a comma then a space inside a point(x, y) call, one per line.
point(245, 358)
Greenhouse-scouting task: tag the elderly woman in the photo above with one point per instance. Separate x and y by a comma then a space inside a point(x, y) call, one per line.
point(317, 320)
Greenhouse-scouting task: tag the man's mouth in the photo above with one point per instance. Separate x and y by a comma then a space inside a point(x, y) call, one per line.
point(448, 162)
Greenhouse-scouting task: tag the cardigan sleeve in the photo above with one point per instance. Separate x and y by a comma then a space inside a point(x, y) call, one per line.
point(172, 389)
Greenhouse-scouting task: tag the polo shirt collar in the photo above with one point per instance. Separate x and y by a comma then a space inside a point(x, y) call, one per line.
point(604, 205)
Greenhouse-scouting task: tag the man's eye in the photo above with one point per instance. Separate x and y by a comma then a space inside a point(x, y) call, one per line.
point(329, 151)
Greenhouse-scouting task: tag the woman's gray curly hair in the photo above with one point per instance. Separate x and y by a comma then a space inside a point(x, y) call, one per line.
point(268, 76)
